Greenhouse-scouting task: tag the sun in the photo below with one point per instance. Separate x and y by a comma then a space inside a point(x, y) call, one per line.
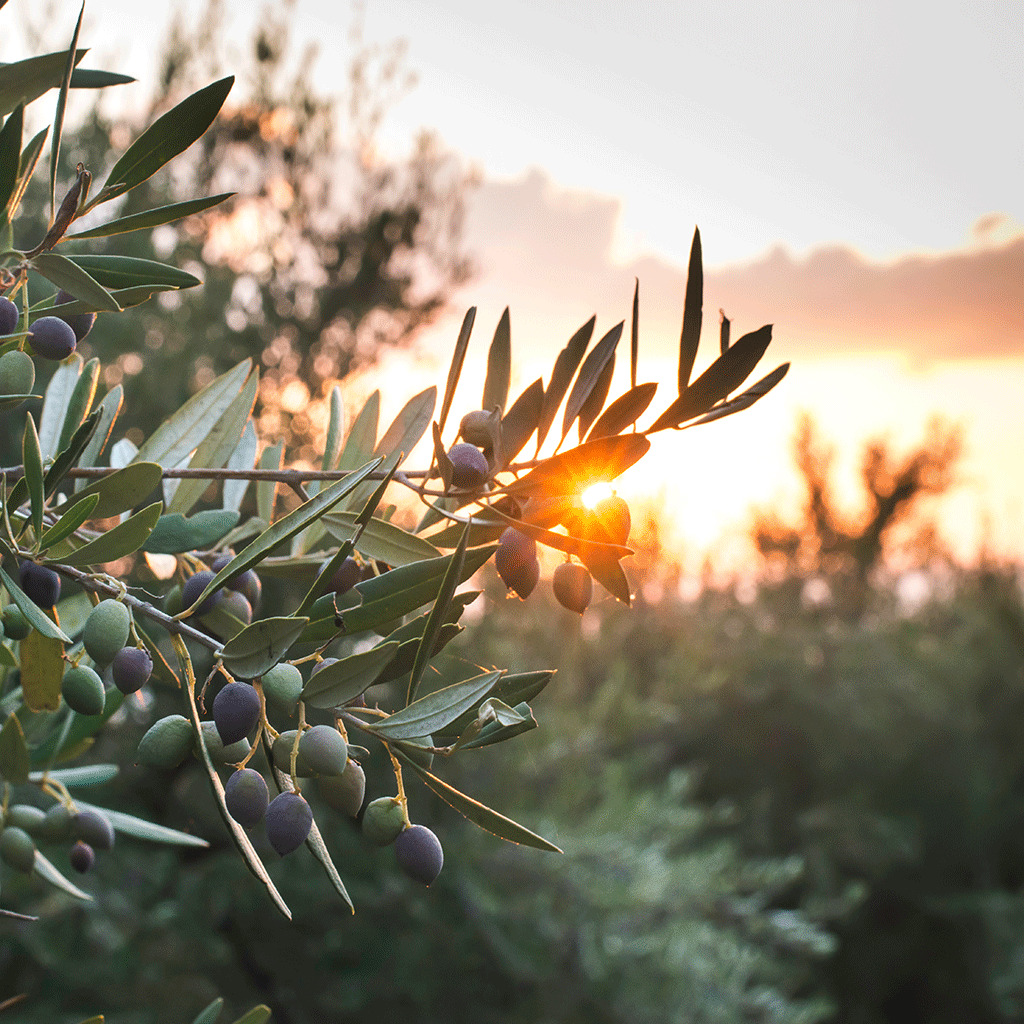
point(595, 494)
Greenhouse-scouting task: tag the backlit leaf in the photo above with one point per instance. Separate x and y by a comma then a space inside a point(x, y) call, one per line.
point(10, 154)
point(693, 306)
point(572, 472)
point(499, 366)
point(117, 272)
point(121, 490)
point(68, 274)
point(27, 80)
point(595, 400)
point(261, 645)
point(590, 374)
point(623, 412)
point(120, 540)
point(266, 490)
point(384, 541)
point(455, 369)
point(55, 404)
point(409, 425)
point(152, 218)
point(521, 421)
point(243, 458)
point(746, 399)
point(33, 465)
point(80, 404)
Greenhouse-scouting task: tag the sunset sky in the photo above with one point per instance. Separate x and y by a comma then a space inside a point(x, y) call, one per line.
point(855, 169)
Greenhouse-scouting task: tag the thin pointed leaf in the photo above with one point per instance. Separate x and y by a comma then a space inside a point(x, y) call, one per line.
point(436, 710)
point(10, 154)
point(455, 370)
point(511, 689)
point(335, 431)
point(444, 464)
point(595, 400)
point(561, 376)
point(58, 120)
point(26, 168)
point(90, 78)
point(14, 762)
point(175, 533)
point(40, 622)
point(152, 218)
point(362, 435)
point(521, 421)
point(80, 776)
point(445, 593)
point(261, 645)
point(286, 528)
point(218, 445)
point(168, 136)
point(623, 412)
point(480, 814)
point(123, 539)
point(55, 404)
point(69, 455)
point(68, 274)
point(575, 470)
point(746, 399)
point(589, 375)
point(108, 410)
point(210, 1014)
point(80, 403)
point(130, 272)
point(409, 425)
point(499, 366)
point(139, 828)
point(380, 540)
point(266, 490)
point(183, 432)
point(244, 458)
point(257, 1015)
point(69, 522)
point(722, 377)
point(693, 307)
point(723, 331)
point(608, 572)
point(634, 335)
point(27, 80)
point(46, 871)
point(119, 491)
point(33, 464)
point(336, 685)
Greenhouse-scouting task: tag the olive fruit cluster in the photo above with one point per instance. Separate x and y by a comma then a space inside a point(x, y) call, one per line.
point(105, 639)
point(23, 826)
point(417, 850)
point(239, 598)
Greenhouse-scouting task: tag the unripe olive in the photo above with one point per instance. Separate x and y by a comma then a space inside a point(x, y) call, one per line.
point(172, 600)
point(323, 751)
point(82, 857)
point(346, 576)
point(16, 626)
point(106, 630)
point(52, 338)
point(131, 669)
point(57, 824)
point(479, 427)
point(41, 585)
point(93, 828)
point(194, 586)
point(288, 822)
point(232, 753)
point(8, 316)
point(282, 685)
point(17, 373)
point(80, 323)
point(17, 849)
point(469, 465)
point(246, 797)
point(344, 792)
point(26, 817)
point(572, 586)
point(383, 819)
point(236, 710)
point(419, 854)
point(516, 562)
point(83, 690)
point(167, 742)
point(281, 751)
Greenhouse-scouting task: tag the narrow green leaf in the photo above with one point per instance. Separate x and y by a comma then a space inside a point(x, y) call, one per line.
point(130, 272)
point(121, 540)
point(26, 168)
point(13, 752)
point(218, 445)
point(608, 572)
point(152, 218)
point(384, 541)
point(521, 421)
point(402, 663)
point(405, 589)
point(623, 412)
point(257, 1015)
point(27, 80)
point(210, 1014)
point(244, 458)
point(261, 645)
point(109, 409)
point(455, 370)
point(507, 723)
point(33, 463)
point(70, 454)
point(362, 435)
point(723, 331)
point(409, 425)
point(80, 776)
point(721, 378)
point(183, 432)
point(43, 624)
point(561, 376)
point(481, 815)
point(42, 668)
point(444, 464)
point(266, 490)
point(10, 154)
point(286, 527)
point(58, 120)
point(693, 307)
point(594, 402)
point(121, 490)
point(69, 522)
point(511, 689)
point(336, 685)
point(45, 870)
point(139, 828)
point(168, 136)
point(55, 404)
point(574, 471)
point(90, 78)
point(335, 431)
point(499, 366)
point(634, 335)
point(746, 399)
point(436, 710)
point(80, 404)
point(451, 579)
point(589, 375)
point(68, 274)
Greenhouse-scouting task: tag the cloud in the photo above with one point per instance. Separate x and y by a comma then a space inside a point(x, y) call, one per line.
point(549, 253)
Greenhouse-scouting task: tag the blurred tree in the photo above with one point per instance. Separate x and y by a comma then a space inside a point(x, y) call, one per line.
point(845, 550)
point(329, 253)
